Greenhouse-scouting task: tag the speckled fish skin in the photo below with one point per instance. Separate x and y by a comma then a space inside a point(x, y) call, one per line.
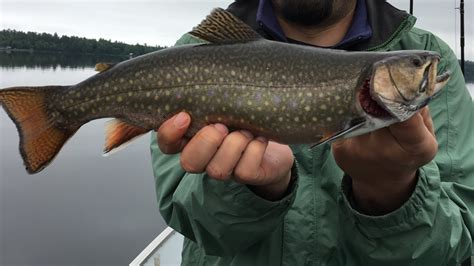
point(285, 92)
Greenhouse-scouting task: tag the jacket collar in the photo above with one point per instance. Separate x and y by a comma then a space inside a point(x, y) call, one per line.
point(387, 28)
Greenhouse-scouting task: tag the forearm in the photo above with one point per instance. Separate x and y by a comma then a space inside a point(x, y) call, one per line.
point(383, 195)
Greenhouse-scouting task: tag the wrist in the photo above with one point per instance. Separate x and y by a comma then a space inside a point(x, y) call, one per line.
point(273, 191)
point(383, 194)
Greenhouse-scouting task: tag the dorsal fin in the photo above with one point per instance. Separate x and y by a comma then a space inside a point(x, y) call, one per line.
point(222, 27)
point(101, 67)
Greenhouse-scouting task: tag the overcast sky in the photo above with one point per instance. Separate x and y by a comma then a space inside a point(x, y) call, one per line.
point(161, 22)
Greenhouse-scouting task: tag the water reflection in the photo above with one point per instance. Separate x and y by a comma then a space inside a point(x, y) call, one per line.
point(53, 60)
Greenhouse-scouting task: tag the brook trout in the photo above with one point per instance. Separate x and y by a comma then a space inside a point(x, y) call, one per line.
point(285, 92)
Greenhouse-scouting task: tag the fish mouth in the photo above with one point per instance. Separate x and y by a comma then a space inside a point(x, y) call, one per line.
point(369, 103)
point(378, 106)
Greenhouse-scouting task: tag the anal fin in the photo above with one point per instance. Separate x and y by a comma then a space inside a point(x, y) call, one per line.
point(119, 133)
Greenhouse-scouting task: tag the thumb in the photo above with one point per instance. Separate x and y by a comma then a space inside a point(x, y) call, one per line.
point(171, 133)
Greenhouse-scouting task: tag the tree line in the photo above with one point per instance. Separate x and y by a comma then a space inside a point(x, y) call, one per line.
point(69, 44)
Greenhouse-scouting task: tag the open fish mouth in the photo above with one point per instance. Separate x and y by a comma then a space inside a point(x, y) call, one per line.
point(381, 107)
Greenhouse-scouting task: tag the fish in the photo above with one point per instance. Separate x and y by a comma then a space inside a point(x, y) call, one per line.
point(289, 93)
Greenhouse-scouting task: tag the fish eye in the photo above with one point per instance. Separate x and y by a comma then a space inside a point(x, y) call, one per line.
point(417, 62)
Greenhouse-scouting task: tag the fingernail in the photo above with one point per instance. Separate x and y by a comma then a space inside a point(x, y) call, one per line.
point(247, 134)
point(262, 139)
point(221, 128)
point(180, 120)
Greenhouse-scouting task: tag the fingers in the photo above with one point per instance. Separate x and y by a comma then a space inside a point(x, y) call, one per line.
point(228, 155)
point(249, 170)
point(202, 147)
point(171, 133)
point(416, 135)
point(411, 131)
point(425, 113)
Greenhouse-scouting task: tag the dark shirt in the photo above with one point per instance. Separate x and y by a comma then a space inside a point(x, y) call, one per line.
point(360, 28)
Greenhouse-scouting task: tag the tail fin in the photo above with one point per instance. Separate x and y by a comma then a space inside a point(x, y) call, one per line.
point(40, 138)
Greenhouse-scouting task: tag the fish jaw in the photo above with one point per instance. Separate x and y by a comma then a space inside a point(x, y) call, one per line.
point(402, 87)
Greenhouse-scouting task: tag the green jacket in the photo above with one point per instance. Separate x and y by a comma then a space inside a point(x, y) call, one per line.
point(224, 223)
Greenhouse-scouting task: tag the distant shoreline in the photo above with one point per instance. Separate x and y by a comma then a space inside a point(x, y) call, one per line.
point(32, 51)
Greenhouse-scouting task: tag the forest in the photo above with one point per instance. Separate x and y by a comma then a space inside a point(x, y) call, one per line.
point(69, 44)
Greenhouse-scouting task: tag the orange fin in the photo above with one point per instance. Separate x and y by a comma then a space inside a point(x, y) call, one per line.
point(40, 138)
point(119, 133)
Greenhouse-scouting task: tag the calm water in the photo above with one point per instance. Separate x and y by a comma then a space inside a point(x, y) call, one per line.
point(83, 209)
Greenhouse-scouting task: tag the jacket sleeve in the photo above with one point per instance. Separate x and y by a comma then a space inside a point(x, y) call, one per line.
point(221, 217)
point(435, 226)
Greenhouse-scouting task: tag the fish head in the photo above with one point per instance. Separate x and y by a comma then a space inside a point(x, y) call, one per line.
point(403, 83)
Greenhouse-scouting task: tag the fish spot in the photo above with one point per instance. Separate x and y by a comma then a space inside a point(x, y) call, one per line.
point(119, 99)
point(323, 107)
point(249, 102)
point(130, 81)
point(167, 107)
point(337, 97)
point(297, 119)
point(309, 94)
point(130, 93)
point(148, 94)
point(314, 119)
point(122, 80)
point(280, 119)
point(329, 119)
point(307, 108)
point(106, 84)
point(168, 76)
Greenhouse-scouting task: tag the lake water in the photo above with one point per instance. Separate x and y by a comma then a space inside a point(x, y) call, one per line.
point(83, 209)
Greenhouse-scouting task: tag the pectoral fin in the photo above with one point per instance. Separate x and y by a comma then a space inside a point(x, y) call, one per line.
point(354, 125)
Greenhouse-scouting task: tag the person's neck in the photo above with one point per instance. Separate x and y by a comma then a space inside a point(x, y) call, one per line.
point(326, 36)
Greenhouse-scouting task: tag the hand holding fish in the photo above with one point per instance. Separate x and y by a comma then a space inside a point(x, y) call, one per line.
point(383, 164)
point(263, 165)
